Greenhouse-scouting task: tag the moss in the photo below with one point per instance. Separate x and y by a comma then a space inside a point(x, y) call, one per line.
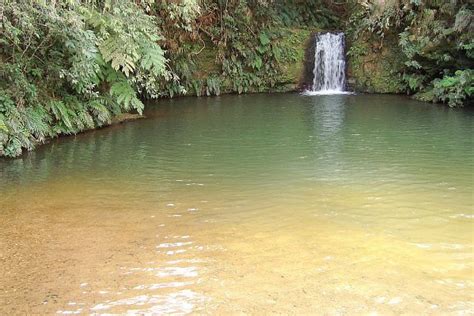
point(291, 66)
point(374, 67)
point(206, 62)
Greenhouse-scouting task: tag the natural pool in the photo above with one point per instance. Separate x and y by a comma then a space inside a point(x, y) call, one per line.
point(251, 204)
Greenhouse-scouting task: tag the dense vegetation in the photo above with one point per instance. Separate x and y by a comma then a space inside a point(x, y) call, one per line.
point(67, 66)
point(431, 43)
point(72, 65)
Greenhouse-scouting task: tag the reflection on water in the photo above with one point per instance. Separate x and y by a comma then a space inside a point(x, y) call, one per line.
point(246, 204)
point(327, 136)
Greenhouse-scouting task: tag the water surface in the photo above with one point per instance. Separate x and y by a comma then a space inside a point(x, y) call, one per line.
point(252, 204)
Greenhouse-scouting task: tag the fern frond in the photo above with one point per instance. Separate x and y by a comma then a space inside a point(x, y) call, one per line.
point(126, 96)
point(3, 124)
point(35, 120)
point(213, 86)
point(86, 119)
point(100, 111)
point(13, 147)
point(153, 59)
point(121, 54)
point(62, 115)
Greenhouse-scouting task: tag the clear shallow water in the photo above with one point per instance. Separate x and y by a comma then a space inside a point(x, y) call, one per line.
point(247, 204)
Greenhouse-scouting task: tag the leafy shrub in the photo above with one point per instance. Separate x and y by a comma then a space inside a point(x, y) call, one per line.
point(454, 90)
point(69, 66)
point(436, 40)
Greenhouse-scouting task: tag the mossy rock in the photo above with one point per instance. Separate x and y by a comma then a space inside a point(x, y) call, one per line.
point(292, 64)
point(206, 62)
point(293, 67)
point(375, 66)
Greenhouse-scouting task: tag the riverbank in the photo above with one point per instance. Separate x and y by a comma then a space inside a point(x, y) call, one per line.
point(68, 67)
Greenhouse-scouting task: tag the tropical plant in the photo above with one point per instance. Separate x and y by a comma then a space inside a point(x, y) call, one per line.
point(67, 66)
point(436, 41)
point(70, 66)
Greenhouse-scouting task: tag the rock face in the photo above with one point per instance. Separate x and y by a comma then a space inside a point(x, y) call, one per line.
point(292, 69)
point(373, 67)
point(308, 75)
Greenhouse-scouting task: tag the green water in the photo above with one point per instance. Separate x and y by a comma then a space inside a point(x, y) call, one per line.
point(366, 200)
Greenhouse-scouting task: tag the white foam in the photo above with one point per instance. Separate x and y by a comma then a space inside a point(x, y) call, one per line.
point(326, 92)
point(176, 244)
point(178, 271)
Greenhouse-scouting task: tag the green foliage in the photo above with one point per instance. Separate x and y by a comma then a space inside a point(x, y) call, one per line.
point(213, 86)
point(70, 66)
point(126, 96)
point(153, 59)
point(454, 90)
point(314, 13)
point(100, 112)
point(249, 48)
point(244, 37)
point(435, 38)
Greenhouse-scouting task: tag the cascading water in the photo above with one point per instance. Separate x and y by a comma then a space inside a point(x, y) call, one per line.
point(329, 64)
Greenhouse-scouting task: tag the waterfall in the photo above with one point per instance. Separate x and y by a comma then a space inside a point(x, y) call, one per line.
point(329, 64)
